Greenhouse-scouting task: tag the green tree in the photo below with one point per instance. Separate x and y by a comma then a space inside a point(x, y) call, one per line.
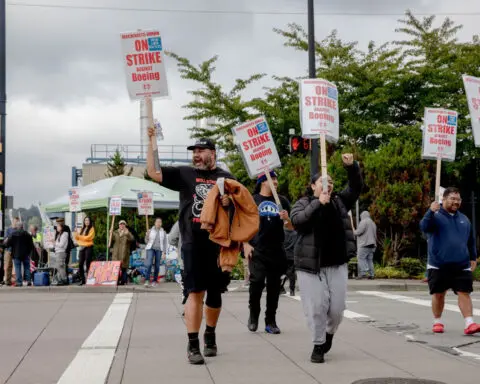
point(398, 192)
point(117, 166)
point(383, 91)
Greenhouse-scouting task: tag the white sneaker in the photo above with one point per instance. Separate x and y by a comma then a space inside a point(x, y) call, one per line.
point(154, 284)
point(147, 284)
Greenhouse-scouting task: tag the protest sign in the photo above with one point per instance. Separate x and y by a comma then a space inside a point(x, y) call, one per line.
point(319, 109)
point(255, 142)
point(319, 116)
point(472, 90)
point(145, 203)
point(144, 64)
point(439, 134)
point(48, 237)
point(103, 273)
point(115, 209)
point(115, 205)
point(439, 139)
point(74, 200)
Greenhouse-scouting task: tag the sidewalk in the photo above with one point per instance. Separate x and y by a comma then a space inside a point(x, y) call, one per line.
point(236, 286)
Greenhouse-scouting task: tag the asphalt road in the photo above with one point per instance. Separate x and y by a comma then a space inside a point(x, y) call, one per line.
point(74, 337)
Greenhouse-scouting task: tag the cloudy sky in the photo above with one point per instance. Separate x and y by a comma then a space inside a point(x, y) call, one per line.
point(66, 84)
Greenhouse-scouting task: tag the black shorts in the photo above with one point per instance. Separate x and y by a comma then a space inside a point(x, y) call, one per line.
point(201, 269)
point(458, 280)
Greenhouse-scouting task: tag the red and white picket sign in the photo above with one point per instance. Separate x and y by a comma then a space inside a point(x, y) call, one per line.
point(472, 90)
point(440, 134)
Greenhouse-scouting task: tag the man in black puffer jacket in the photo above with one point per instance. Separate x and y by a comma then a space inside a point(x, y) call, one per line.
point(325, 245)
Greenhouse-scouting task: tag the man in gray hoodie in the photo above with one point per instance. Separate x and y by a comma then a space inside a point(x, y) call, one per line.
point(366, 243)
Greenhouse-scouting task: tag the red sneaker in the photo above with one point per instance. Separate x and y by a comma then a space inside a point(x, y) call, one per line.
point(472, 329)
point(438, 328)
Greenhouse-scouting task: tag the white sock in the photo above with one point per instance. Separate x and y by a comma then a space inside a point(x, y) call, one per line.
point(437, 321)
point(468, 321)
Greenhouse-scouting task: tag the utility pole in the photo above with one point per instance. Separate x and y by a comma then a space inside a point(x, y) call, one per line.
point(3, 108)
point(312, 72)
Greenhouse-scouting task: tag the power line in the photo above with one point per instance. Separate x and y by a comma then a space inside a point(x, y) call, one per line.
point(232, 12)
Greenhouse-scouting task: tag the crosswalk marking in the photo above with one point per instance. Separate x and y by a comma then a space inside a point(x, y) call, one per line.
point(411, 300)
point(348, 314)
point(93, 361)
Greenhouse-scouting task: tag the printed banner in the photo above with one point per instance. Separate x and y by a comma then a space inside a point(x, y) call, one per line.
point(115, 205)
point(439, 134)
point(74, 199)
point(144, 66)
point(103, 273)
point(145, 203)
point(472, 90)
point(255, 142)
point(319, 109)
point(48, 237)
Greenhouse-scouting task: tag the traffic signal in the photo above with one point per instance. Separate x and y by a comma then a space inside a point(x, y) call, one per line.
point(299, 145)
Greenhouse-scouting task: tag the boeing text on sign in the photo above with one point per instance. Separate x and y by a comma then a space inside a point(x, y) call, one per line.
point(439, 134)
point(319, 109)
point(255, 142)
point(144, 64)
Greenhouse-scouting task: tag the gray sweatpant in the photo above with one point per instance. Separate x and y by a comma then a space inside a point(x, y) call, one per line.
point(323, 298)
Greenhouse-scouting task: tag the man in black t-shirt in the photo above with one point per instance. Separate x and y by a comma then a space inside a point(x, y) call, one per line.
point(267, 254)
point(202, 273)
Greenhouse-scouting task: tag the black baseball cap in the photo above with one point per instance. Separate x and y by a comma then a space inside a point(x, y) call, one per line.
point(203, 143)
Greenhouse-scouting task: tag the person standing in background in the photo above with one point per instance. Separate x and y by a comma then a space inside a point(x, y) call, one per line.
point(122, 240)
point(7, 253)
point(157, 245)
point(70, 245)
point(21, 244)
point(85, 237)
point(366, 245)
point(61, 245)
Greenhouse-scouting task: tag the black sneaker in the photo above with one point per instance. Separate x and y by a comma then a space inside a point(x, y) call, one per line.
point(328, 343)
point(253, 323)
point(318, 354)
point(292, 293)
point(210, 348)
point(272, 328)
point(283, 291)
point(194, 355)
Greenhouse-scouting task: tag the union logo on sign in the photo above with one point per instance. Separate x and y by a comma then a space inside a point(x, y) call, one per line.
point(332, 93)
point(452, 120)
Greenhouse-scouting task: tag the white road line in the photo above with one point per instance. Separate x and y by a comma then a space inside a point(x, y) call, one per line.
point(467, 354)
point(348, 314)
point(410, 300)
point(93, 361)
point(354, 315)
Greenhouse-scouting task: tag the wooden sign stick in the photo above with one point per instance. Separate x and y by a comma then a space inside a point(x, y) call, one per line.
point(153, 139)
point(111, 232)
point(146, 220)
point(437, 179)
point(274, 192)
point(323, 162)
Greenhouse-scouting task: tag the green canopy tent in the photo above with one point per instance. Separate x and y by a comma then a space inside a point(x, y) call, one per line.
point(97, 195)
